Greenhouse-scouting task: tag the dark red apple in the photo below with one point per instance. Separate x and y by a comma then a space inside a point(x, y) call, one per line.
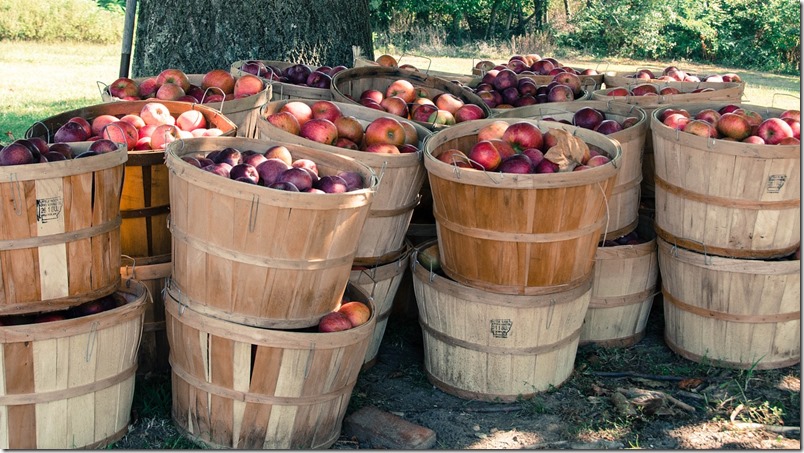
point(270, 170)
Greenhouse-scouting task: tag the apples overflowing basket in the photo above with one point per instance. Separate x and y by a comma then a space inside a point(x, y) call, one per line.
point(652, 93)
point(138, 125)
point(504, 89)
point(667, 74)
point(238, 97)
point(520, 192)
point(432, 102)
point(291, 80)
point(539, 69)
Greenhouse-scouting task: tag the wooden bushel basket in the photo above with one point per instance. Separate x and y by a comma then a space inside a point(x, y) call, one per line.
point(281, 90)
point(723, 92)
point(732, 313)
point(622, 292)
point(145, 201)
point(401, 177)
point(417, 62)
point(624, 200)
point(381, 282)
point(727, 198)
point(614, 79)
point(60, 234)
point(154, 351)
point(244, 387)
point(69, 384)
point(242, 112)
point(518, 233)
point(349, 84)
point(491, 347)
point(259, 256)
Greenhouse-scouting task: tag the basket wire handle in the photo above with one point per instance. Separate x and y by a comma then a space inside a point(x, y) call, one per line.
point(102, 90)
point(372, 276)
point(29, 132)
point(550, 312)
point(93, 334)
point(252, 212)
point(773, 99)
point(707, 257)
point(16, 191)
point(204, 96)
point(608, 215)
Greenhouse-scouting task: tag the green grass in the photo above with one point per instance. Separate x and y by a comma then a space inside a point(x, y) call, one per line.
point(41, 80)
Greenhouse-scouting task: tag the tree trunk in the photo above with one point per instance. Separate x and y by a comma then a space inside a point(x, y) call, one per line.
point(567, 9)
point(200, 35)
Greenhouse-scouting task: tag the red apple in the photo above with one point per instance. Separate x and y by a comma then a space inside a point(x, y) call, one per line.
point(644, 89)
point(279, 152)
point(441, 117)
point(711, 116)
point(754, 139)
point(270, 170)
point(505, 78)
point(448, 102)
point(319, 130)
point(401, 88)
point(571, 80)
point(469, 112)
point(492, 130)
point(121, 132)
point(560, 93)
point(701, 128)
point(523, 135)
point(191, 120)
point(71, 131)
point(374, 95)
point(619, 91)
point(382, 148)
point(220, 79)
point(300, 110)
point(774, 130)
point(395, 105)
point(164, 134)
point(518, 163)
point(423, 112)
point(124, 87)
point(795, 125)
point(169, 92)
point(334, 322)
point(676, 121)
point(327, 110)
point(343, 142)
point(588, 118)
point(792, 114)
point(286, 121)
point(733, 126)
point(484, 155)
point(155, 113)
point(607, 127)
point(411, 134)
point(247, 85)
point(147, 88)
point(385, 130)
point(103, 146)
point(174, 76)
point(16, 153)
point(454, 157)
point(349, 128)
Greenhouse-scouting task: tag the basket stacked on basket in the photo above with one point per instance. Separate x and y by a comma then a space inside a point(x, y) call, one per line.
point(503, 319)
point(69, 326)
point(728, 220)
point(144, 204)
point(256, 271)
point(382, 253)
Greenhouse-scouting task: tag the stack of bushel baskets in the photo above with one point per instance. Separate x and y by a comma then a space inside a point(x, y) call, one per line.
point(70, 327)
point(254, 271)
point(503, 319)
point(626, 268)
point(382, 253)
point(728, 220)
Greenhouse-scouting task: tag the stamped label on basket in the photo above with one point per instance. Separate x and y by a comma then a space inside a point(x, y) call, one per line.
point(775, 183)
point(500, 328)
point(48, 209)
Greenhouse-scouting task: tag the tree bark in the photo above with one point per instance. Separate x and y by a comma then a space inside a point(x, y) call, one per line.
point(200, 35)
point(567, 9)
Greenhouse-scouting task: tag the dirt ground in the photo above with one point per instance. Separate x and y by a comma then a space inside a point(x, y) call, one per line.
point(698, 407)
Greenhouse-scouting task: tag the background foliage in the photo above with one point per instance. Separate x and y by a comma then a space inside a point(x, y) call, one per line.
point(752, 34)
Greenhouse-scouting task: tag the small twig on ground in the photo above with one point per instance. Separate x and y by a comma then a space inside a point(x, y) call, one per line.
point(618, 374)
point(772, 428)
point(493, 409)
point(634, 392)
